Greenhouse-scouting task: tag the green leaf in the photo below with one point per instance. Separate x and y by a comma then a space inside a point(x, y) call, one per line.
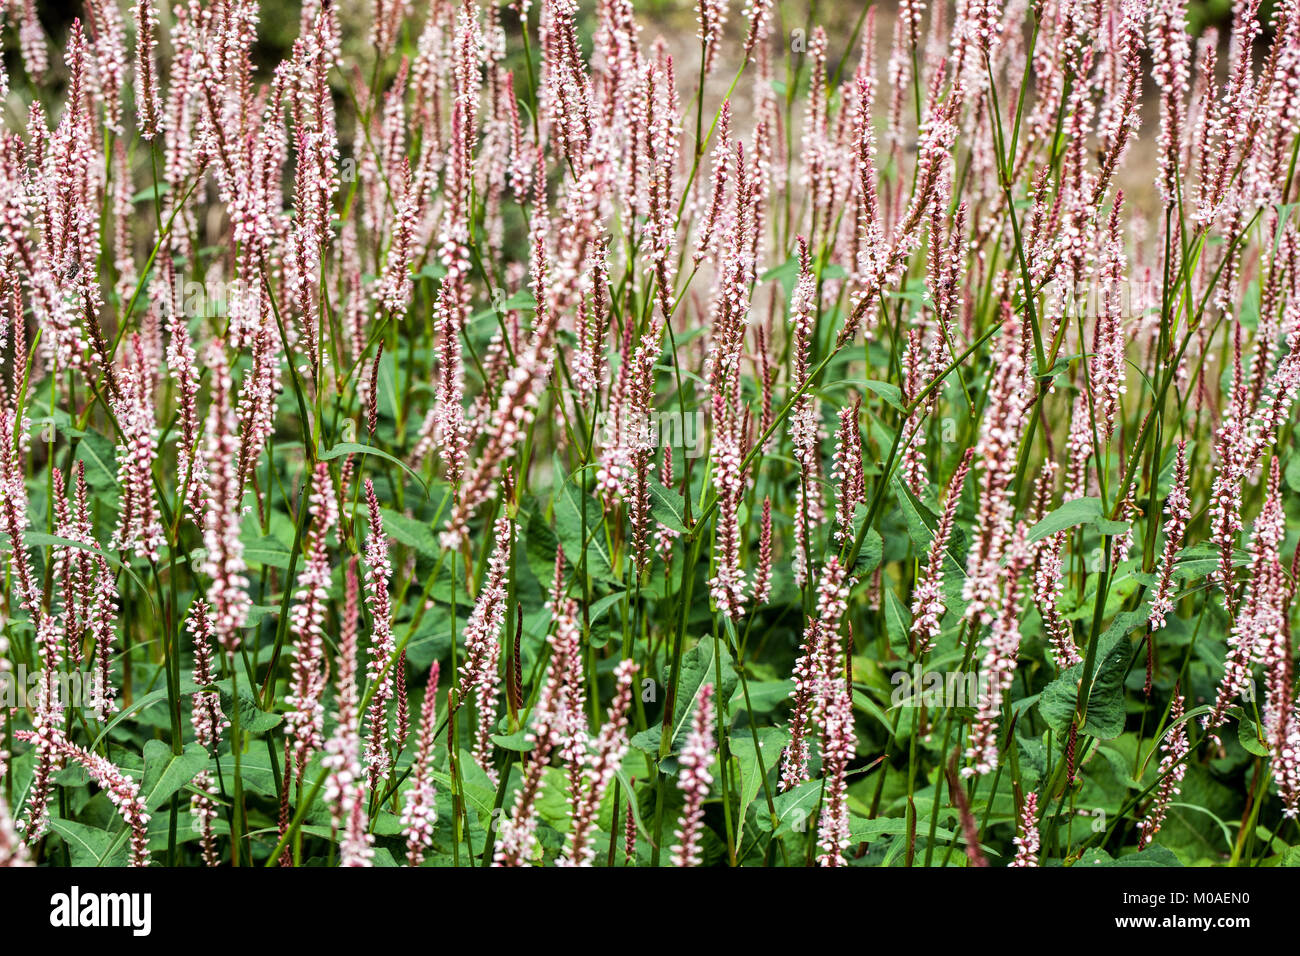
point(151, 193)
point(166, 772)
point(764, 696)
point(252, 719)
point(37, 539)
point(267, 552)
point(667, 506)
point(898, 621)
point(794, 809)
point(100, 456)
point(1105, 712)
point(518, 741)
point(255, 771)
point(1154, 855)
point(342, 449)
point(1057, 367)
point(1293, 473)
point(920, 521)
point(863, 830)
point(873, 549)
point(1080, 511)
point(599, 636)
point(1200, 559)
point(1249, 737)
point(571, 504)
point(89, 846)
point(388, 387)
point(770, 740)
point(699, 667)
point(476, 785)
point(892, 394)
point(97, 452)
point(412, 533)
point(786, 273)
point(523, 299)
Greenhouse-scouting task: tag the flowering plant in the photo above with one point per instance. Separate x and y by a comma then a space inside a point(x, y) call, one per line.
point(461, 433)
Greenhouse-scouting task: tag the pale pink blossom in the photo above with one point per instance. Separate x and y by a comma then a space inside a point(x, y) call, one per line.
point(694, 779)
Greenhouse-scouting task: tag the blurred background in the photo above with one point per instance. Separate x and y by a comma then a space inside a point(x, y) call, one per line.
point(672, 18)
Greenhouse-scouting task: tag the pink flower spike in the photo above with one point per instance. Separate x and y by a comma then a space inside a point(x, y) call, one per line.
point(1027, 841)
point(694, 779)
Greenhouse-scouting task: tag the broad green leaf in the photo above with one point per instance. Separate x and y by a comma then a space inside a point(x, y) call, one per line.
point(1293, 473)
point(571, 504)
point(518, 741)
point(764, 695)
point(891, 393)
point(100, 456)
point(1080, 511)
point(921, 522)
point(1201, 559)
point(771, 740)
point(873, 549)
point(478, 789)
point(254, 769)
point(1249, 737)
point(267, 552)
point(89, 846)
point(252, 719)
point(898, 621)
point(863, 830)
point(523, 299)
point(794, 810)
point(667, 506)
point(699, 667)
point(786, 273)
point(166, 772)
point(1154, 855)
point(1105, 711)
point(150, 193)
point(410, 532)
